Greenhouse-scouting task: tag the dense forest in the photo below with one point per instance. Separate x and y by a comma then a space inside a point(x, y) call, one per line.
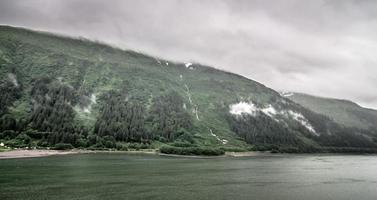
point(260, 130)
point(121, 118)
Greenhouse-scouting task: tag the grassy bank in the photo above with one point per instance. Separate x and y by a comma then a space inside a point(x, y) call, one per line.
point(203, 151)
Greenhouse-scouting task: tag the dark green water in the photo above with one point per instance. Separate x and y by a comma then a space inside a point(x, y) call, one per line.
point(122, 176)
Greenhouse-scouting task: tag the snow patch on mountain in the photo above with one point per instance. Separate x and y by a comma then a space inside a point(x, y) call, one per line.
point(250, 108)
point(88, 108)
point(270, 111)
point(195, 111)
point(93, 98)
point(188, 65)
point(195, 107)
point(286, 94)
point(243, 107)
point(188, 93)
point(302, 120)
point(223, 141)
point(13, 79)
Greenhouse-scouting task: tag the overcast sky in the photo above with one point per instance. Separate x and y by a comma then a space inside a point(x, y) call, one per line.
point(325, 48)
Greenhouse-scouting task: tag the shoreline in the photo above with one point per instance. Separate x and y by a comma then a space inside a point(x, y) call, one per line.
point(34, 153)
point(23, 153)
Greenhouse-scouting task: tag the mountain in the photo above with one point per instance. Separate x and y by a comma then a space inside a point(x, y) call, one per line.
point(343, 112)
point(60, 91)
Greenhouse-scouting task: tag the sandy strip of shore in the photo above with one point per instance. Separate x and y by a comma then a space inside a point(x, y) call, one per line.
point(227, 154)
point(22, 153)
point(246, 154)
point(189, 156)
point(32, 153)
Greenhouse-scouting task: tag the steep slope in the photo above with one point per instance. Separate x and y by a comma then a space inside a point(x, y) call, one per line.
point(344, 112)
point(63, 90)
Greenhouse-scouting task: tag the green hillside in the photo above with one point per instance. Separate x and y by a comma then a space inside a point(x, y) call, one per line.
point(59, 91)
point(344, 112)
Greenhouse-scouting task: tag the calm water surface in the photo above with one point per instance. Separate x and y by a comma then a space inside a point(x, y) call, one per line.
point(122, 176)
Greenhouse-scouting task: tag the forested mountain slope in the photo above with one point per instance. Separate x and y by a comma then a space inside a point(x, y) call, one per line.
point(62, 90)
point(344, 112)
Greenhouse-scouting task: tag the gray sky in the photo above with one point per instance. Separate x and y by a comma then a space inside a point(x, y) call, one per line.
point(325, 48)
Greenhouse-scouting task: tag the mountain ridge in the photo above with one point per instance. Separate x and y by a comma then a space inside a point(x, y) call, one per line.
point(332, 106)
